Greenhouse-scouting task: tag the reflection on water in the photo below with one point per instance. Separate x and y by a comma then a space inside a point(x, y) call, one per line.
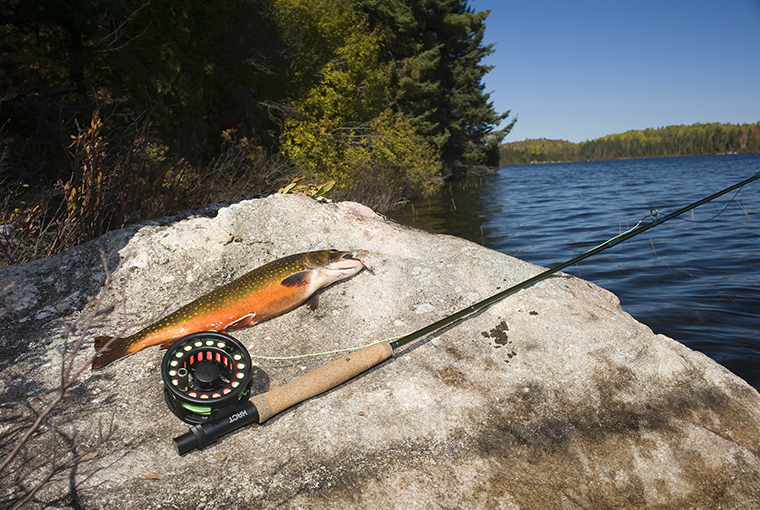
point(695, 278)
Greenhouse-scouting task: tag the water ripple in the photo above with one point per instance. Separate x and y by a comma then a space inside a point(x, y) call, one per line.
point(697, 282)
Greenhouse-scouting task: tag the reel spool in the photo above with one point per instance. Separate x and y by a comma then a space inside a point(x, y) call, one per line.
point(206, 375)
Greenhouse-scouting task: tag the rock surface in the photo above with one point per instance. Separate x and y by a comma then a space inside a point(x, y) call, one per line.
point(552, 398)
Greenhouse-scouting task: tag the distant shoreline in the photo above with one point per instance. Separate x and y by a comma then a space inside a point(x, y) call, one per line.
point(669, 141)
point(618, 159)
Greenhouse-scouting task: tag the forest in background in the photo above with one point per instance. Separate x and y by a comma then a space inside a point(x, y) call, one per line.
point(114, 111)
point(692, 140)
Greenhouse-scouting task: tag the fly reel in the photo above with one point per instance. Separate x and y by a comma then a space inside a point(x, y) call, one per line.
point(206, 375)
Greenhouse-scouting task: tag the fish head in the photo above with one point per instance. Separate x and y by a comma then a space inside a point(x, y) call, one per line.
point(336, 265)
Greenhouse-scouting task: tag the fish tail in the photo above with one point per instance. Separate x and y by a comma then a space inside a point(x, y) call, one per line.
point(108, 350)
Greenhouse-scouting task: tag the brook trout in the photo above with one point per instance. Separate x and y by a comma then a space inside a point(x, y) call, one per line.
point(268, 291)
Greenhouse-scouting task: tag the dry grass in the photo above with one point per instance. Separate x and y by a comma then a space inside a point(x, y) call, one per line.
point(115, 182)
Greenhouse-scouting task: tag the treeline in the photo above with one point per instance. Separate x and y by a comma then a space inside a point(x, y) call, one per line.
point(696, 139)
point(112, 111)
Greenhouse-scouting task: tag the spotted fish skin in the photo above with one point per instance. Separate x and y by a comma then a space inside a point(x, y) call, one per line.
point(268, 291)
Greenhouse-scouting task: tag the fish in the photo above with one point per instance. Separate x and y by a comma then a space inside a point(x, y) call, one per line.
point(268, 291)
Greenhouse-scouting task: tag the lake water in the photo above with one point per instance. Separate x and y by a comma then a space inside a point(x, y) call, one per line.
point(695, 278)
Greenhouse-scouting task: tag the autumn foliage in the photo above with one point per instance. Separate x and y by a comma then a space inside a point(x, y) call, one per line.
point(112, 111)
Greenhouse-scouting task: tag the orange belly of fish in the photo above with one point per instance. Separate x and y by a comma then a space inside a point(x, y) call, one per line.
point(265, 304)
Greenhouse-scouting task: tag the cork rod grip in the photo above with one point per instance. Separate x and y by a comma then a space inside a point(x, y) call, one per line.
point(320, 380)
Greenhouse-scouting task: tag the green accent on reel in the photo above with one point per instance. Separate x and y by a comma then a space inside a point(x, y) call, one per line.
point(204, 410)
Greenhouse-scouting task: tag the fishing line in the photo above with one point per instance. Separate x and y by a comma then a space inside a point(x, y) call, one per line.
point(653, 213)
point(720, 212)
point(324, 353)
point(657, 220)
point(264, 406)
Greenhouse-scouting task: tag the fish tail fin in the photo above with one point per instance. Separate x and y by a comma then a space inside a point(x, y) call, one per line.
point(107, 350)
point(101, 341)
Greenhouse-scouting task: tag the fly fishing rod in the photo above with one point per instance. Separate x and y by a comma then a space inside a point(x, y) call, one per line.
point(264, 406)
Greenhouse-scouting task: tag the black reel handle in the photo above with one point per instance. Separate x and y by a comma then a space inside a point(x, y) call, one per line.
point(203, 434)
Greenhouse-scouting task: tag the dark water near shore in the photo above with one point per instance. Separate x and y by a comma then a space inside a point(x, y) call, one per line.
point(696, 281)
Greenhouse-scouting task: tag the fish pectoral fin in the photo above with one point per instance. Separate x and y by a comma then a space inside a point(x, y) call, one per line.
point(242, 322)
point(299, 279)
point(313, 301)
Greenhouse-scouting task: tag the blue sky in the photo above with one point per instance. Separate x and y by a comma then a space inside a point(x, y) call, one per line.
point(579, 70)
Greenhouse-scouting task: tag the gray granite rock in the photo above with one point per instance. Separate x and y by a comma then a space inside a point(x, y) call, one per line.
point(552, 398)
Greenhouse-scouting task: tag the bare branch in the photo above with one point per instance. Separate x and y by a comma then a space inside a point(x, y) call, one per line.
point(115, 34)
point(69, 375)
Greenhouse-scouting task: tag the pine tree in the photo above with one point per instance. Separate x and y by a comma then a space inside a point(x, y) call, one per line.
point(437, 51)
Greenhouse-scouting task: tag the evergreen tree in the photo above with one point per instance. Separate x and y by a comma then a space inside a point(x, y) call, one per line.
point(437, 51)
